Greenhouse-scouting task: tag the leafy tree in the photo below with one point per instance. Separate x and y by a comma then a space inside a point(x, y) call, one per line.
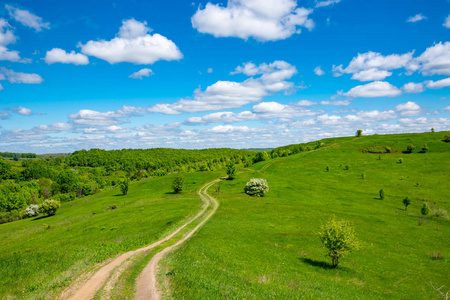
point(257, 187)
point(358, 132)
point(49, 207)
point(339, 238)
point(178, 184)
point(425, 148)
point(432, 129)
point(260, 156)
point(231, 170)
point(406, 202)
point(447, 138)
point(124, 185)
point(425, 209)
point(382, 194)
point(410, 147)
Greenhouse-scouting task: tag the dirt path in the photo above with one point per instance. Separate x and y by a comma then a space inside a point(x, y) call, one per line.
point(146, 286)
point(87, 288)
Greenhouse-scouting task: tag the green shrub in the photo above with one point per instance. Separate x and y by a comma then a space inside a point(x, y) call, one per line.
point(178, 184)
point(410, 147)
point(124, 186)
point(406, 202)
point(339, 238)
point(425, 209)
point(49, 207)
point(381, 194)
point(447, 138)
point(400, 160)
point(231, 170)
point(256, 187)
point(358, 132)
point(425, 148)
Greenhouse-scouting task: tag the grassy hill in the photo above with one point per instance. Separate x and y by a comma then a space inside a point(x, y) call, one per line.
point(267, 248)
point(258, 248)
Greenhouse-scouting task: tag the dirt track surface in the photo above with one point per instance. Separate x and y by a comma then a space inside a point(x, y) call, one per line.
point(146, 285)
point(85, 289)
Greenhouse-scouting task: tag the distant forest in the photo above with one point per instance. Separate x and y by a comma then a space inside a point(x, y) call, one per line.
point(27, 178)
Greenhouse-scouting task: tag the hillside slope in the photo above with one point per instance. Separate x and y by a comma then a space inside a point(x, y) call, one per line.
point(267, 248)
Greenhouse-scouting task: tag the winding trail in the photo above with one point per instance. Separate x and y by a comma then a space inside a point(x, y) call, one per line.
point(146, 282)
point(146, 285)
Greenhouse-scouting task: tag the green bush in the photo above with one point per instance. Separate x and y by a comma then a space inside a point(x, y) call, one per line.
point(49, 207)
point(178, 184)
point(257, 187)
point(231, 170)
point(425, 209)
point(425, 148)
point(406, 202)
point(124, 185)
point(381, 194)
point(410, 147)
point(339, 238)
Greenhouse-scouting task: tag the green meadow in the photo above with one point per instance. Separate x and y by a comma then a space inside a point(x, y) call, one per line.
point(267, 248)
point(41, 256)
point(257, 248)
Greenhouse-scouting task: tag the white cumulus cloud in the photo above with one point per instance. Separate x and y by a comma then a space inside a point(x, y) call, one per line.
point(412, 88)
point(231, 94)
point(57, 55)
point(438, 84)
point(19, 77)
point(23, 111)
point(26, 18)
point(326, 3)
point(416, 18)
point(264, 20)
point(133, 44)
point(319, 71)
point(374, 89)
point(447, 22)
point(434, 60)
point(408, 109)
point(141, 73)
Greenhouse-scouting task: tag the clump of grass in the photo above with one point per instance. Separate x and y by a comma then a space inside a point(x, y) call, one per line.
point(436, 255)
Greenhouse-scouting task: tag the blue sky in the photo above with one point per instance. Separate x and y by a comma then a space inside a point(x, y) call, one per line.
point(243, 73)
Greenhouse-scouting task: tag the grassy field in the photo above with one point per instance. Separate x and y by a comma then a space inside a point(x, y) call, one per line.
point(267, 248)
point(39, 257)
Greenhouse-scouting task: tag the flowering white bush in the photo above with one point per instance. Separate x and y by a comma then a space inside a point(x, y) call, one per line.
point(256, 187)
point(31, 211)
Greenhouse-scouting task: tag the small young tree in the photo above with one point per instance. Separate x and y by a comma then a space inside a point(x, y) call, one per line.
point(256, 187)
point(381, 194)
point(124, 186)
point(49, 207)
point(231, 170)
point(358, 132)
point(339, 238)
point(410, 147)
point(432, 129)
point(425, 148)
point(406, 202)
point(425, 209)
point(178, 184)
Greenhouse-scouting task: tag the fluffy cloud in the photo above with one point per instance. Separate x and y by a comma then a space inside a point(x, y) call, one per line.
point(133, 44)
point(412, 87)
point(36, 133)
point(336, 102)
point(230, 94)
point(438, 84)
point(27, 18)
point(141, 73)
point(4, 115)
point(447, 22)
point(109, 129)
point(23, 111)
point(223, 117)
point(89, 117)
point(435, 60)
point(371, 66)
point(6, 34)
point(19, 77)
point(306, 103)
point(326, 3)
point(264, 20)
point(319, 71)
point(57, 55)
point(374, 89)
point(228, 129)
point(416, 18)
point(408, 109)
